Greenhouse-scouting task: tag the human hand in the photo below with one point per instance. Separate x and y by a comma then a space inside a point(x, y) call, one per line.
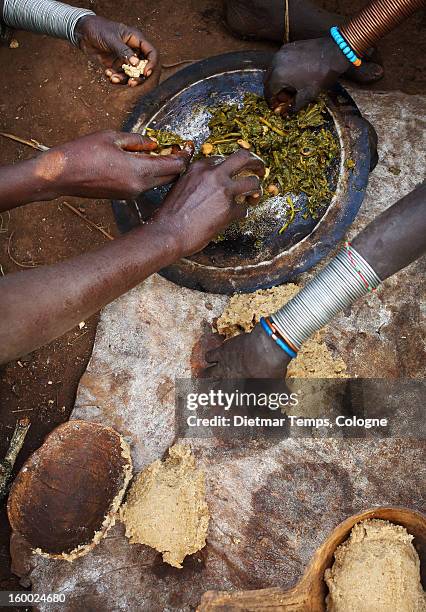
point(109, 165)
point(114, 44)
point(253, 355)
point(301, 70)
point(203, 202)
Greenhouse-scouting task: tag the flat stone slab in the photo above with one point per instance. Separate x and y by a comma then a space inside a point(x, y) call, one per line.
point(272, 503)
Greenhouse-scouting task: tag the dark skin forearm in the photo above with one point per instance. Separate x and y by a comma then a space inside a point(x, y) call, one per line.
point(376, 20)
point(101, 165)
point(20, 184)
point(391, 242)
point(38, 305)
point(397, 237)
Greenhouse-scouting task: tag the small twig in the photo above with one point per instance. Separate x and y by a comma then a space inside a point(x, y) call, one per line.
point(271, 127)
point(16, 443)
point(88, 221)
point(23, 410)
point(1, 270)
point(34, 144)
point(15, 261)
point(4, 228)
point(224, 140)
point(85, 103)
point(78, 337)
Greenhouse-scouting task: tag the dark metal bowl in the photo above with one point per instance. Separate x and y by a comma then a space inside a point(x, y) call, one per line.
point(248, 260)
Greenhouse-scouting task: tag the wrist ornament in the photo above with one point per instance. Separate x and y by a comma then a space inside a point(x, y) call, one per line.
point(376, 20)
point(345, 279)
point(44, 17)
point(344, 47)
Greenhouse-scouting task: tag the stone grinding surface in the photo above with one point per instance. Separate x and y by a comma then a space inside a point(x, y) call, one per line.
point(377, 569)
point(272, 504)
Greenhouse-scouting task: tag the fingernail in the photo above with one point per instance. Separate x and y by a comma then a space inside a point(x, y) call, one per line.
point(256, 196)
point(108, 73)
point(115, 79)
point(149, 72)
point(134, 60)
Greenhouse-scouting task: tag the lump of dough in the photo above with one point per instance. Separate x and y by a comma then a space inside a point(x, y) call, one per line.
point(314, 360)
point(166, 507)
point(377, 569)
point(134, 72)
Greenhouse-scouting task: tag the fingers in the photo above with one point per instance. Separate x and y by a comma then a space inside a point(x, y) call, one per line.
point(122, 51)
point(243, 160)
point(283, 102)
point(303, 97)
point(134, 82)
point(136, 40)
point(164, 167)
point(281, 96)
point(284, 108)
point(127, 45)
point(213, 355)
point(151, 54)
point(245, 186)
point(368, 72)
point(272, 86)
point(117, 78)
point(184, 155)
point(167, 166)
point(279, 83)
point(247, 191)
point(136, 143)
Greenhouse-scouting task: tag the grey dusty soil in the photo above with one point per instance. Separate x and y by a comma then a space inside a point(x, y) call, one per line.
point(52, 93)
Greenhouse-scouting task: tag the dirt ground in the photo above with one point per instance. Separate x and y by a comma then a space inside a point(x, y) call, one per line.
point(52, 93)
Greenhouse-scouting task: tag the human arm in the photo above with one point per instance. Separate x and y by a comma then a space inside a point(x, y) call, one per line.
point(302, 69)
point(110, 42)
point(102, 165)
point(388, 244)
point(39, 305)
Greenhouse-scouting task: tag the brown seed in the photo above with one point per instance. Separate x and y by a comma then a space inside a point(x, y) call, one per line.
point(273, 190)
point(244, 144)
point(207, 148)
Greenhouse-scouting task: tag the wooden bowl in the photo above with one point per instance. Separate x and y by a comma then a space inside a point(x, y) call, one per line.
point(66, 495)
point(310, 592)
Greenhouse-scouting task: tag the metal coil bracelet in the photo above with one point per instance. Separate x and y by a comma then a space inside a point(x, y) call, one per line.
point(345, 279)
point(376, 20)
point(44, 17)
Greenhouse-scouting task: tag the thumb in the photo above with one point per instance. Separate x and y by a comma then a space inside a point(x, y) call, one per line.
point(123, 52)
point(177, 163)
point(136, 143)
point(304, 97)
